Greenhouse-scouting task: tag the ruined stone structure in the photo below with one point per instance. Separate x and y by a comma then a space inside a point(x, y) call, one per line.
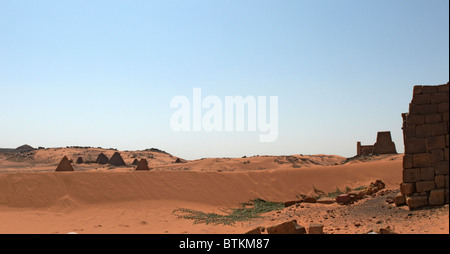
point(142, 165)
point(384, 145)
point(426, 139)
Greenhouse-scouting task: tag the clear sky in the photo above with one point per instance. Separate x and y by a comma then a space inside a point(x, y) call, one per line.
point(102, 73)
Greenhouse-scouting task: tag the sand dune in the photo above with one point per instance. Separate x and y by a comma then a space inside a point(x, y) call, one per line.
point(45, 189)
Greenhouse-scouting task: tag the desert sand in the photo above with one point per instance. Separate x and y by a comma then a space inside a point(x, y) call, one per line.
point(107, 199)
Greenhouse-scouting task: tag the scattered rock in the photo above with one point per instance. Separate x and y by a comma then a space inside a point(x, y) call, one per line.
point(288, 227)
point(326, 201)
point(399, 200)
point(256, 231)
point(343, 199)
point(291, 203)
point(386, 231)
point(315, 229)
point(310, 200)
point(389, 200)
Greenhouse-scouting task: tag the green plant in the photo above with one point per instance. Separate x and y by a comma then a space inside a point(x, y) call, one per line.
point(243, 213)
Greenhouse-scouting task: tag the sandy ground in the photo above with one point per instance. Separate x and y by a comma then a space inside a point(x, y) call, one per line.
point(110, 200)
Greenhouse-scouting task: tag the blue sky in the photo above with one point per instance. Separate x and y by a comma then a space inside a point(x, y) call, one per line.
point(102, 73)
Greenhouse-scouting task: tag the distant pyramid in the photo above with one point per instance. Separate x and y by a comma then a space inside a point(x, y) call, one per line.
point(64, 165)
point(24, 148)
point(135, 162)
point(102, 159)
point(117, 160)
point(142, 165)
point(178, 160)
point(80, 160)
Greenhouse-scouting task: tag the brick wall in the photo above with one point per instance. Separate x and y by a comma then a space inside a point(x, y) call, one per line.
point(426, 139)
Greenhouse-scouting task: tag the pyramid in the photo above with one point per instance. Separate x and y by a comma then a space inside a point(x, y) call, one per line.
point(80, 160)
point(102, 159)
point(142, 165)
point(135, 162)
point(64, 165)
point(117, 160)
point(178, 160)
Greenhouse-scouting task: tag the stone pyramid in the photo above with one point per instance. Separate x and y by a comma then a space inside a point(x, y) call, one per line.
point(64, 165)
point(142, 165)
point(80, 160)
point(102, 159)
point(117, 160)
point(135, 162)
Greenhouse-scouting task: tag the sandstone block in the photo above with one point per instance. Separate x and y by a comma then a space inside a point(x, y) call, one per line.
point(437, 155)
point(424, 186)
point(446, 181)
point(256, 231)
point(443, 107)
point(410, 131)
point(343, 199)
point(435, 98)
point(427, 174)
point(443, 88)
point(288, 227)
point(423, 131)
point(434, 118)
point(315, 229)
point(446, 195)
point(408, 161)
point(439, 181)
point(416, 201)
point(326, 201)
point(422, 160)
point(437, 142)
point(407, 188)
point(399, 200)
point(422, 99)
point(415, 145)
point(430, 89)
point(417, 90)
point(441, 168)
point(410, 175)
point(437, 197)
point(438, 129)
point(415, 120)
point(446, 154)
point(293, 202)
point(310, 200)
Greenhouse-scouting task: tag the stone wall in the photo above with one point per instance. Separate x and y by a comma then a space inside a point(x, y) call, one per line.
point(426, 139)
